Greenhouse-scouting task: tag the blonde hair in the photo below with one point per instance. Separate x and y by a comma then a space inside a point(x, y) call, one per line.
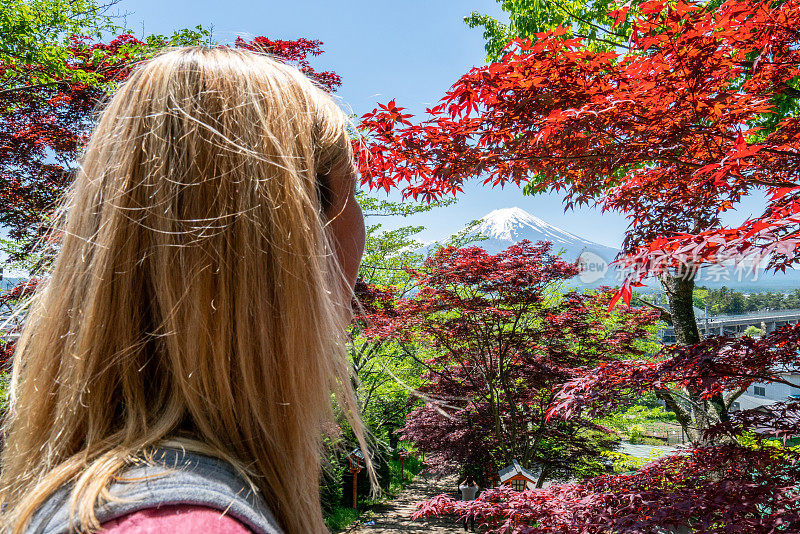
point(195, 291)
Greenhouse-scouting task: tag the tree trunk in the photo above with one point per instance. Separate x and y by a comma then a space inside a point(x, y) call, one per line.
point(679, 288)
point(694, 413)
point(542, 477)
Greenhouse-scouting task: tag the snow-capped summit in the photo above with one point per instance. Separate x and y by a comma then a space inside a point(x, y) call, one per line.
point(501, 224)
point(509, 224)
point(506, 226)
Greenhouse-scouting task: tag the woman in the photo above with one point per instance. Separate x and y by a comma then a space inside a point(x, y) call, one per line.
point(469, 490)
point(191, 331)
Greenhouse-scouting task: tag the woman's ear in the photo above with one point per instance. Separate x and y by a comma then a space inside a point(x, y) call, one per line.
point(324, 193)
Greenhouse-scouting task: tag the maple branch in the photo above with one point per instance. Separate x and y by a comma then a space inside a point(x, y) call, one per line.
point(682, 416)
point(675, 394)
point(732, 396)
point(11, 90)
point(592, 24)
point(665, 315)
point(602, 40)
point(411, 354)
point(771, 183)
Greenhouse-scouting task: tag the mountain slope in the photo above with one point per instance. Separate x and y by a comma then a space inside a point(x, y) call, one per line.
point(504, 227)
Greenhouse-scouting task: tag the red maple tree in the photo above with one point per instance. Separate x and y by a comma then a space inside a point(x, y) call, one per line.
point(671, 132)
point(719, 490)
point(500, 340)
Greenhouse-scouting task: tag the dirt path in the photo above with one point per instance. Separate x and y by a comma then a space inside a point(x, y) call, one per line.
point(395, 516)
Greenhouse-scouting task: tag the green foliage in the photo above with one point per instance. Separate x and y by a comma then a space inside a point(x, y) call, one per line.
point(411, 468)
point(581, 18)
point(753, 331)
point(42, 33)
point(5, 378)
point(376, 207)
point(634, 421)
point(385, 375)
point(726, 301)
point(637, 416)
point(626, 463)
point(37, 38)
point(635, 433)
point(12, 248)
point(388, 374)
point(585, 467)
point(330, 490)
point(700, 297)
point(389, 252)
point(340, 518)
point(37, 32)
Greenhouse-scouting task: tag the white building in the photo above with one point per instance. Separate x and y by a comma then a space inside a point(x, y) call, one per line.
point(760, 394)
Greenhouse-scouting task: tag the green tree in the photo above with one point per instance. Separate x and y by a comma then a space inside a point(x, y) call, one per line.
point(388, 372)
point(753, 331)
point(39, 33)
point(589, 19)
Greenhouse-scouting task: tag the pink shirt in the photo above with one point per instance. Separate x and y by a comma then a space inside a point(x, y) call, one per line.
point(175, 519)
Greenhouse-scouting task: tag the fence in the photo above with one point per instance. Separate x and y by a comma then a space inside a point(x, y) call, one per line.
point(669, 434)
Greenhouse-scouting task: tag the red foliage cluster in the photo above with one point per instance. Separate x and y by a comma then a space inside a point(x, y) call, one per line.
point(42, 128)
point(501, 345)
point(21, 291)
point(708, 368)
point(720, 490)
point(296, 52)
point(671, 133)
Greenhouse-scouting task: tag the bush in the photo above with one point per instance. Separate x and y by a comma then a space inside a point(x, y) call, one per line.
point(330, 488)
point(635, 434)
point(340, 518)
point(411, 468)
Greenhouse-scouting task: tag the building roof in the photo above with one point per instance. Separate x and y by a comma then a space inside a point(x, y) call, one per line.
point(515, 469)
point(357, 453)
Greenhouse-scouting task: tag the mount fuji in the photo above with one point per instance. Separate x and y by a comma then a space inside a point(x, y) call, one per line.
point(504, 227)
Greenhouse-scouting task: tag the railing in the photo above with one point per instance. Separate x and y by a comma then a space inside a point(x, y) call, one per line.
point(772, 315)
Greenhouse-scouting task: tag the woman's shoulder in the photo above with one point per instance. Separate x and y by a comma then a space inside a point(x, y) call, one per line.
point(170, 480)
point(175, 519)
